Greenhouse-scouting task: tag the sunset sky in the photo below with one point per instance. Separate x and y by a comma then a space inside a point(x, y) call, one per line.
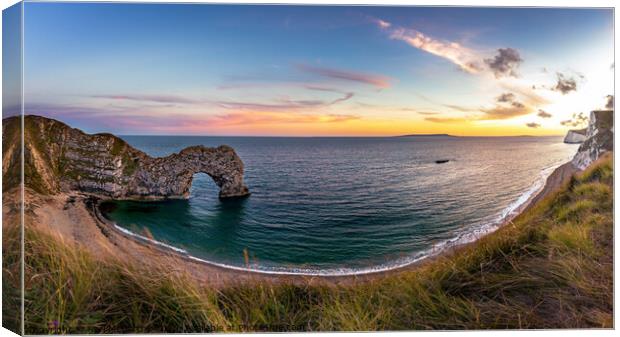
point(316, 71)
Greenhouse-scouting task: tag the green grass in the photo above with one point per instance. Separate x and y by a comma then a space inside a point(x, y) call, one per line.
point(129, 165)
point(11, 133)
point(11, 271)
point(550, 268)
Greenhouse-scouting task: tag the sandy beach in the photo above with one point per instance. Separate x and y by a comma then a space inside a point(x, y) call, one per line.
point(75, 217)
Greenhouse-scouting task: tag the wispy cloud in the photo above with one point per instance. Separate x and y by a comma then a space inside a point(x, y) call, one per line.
point(577, 120)
point(244, 85)
point(610, 102)
point(121, 121)
point(510, 99)
point(543, 114)
point(497, 112)
point(565, 84)
point(117, 119)
point(507, 106)
point(455, 107)
point(532, 125)
point(282, 105)
point(346, 97)
point(461, 108)
point(526, 94)
point(465, 58)
point(505, 63)
point(448, 120)
point(506, 112)
point(381, 23)
point(71, 111)
point(319, 87)
point(387, 107)
point(260, 118)
point(346, 94)
point(506, 97)
point(378, 81)
point(151, 98)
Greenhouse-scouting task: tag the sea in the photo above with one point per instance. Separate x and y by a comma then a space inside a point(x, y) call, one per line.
point(339, 206)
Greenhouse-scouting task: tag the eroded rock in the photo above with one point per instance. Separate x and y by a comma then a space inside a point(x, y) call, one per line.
point(599, 138)
point(575, 136)
point(60, 158)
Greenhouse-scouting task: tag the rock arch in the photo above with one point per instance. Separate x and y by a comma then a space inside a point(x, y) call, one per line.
point(172, 176)
point(58, 158)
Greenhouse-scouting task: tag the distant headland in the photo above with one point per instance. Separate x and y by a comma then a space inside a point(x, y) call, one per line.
point(425, 135)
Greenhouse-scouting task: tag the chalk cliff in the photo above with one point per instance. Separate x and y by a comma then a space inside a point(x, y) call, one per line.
point(599, 138)
point(575, 136)
point(59, 158)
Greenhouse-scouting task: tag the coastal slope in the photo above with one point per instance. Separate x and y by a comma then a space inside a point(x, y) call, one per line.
point(550, 267)
point(599, 138)
point(577, 136)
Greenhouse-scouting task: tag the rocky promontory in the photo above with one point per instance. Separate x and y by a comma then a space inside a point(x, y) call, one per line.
point(599, 138)
point(58, 158)
point(575, 136)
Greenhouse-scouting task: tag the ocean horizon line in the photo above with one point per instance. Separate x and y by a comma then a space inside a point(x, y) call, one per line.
point(333, 137)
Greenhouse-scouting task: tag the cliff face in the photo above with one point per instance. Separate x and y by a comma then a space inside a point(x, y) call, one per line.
point(599, 138)
point(60, 158)
point(575, 136)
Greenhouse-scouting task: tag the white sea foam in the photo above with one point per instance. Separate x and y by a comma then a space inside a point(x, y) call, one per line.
point(155, 242)
point(473, 233)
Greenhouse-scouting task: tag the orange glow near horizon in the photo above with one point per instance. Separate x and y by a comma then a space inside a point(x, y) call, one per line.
point(374, 128)
point(386, 71)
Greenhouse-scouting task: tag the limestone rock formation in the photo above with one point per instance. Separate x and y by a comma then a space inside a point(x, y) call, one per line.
point(60, 158)
point(599, 138)
point(575, 136)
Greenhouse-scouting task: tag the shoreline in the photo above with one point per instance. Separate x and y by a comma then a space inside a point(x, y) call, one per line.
point(550, 183)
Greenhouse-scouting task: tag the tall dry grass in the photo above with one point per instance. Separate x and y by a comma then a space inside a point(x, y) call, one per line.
point(550, 268)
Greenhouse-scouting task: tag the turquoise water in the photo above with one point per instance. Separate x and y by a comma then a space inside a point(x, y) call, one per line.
point(344, 205)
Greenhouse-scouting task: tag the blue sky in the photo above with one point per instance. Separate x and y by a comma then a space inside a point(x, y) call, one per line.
point(11, 61)
point(315, 70)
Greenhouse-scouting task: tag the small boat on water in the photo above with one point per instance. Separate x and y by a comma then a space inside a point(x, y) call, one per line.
point(442, 161)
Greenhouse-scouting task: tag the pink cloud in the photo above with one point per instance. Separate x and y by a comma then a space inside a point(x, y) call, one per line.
point(283, 104)
point(504, 63)
point(378, 81)
point(253, 117)
point(463, 57)
point(382, 24)
point(447, 120)
point(151, 98)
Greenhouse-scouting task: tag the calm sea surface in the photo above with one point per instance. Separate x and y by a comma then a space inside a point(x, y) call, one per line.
point(342, 205)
